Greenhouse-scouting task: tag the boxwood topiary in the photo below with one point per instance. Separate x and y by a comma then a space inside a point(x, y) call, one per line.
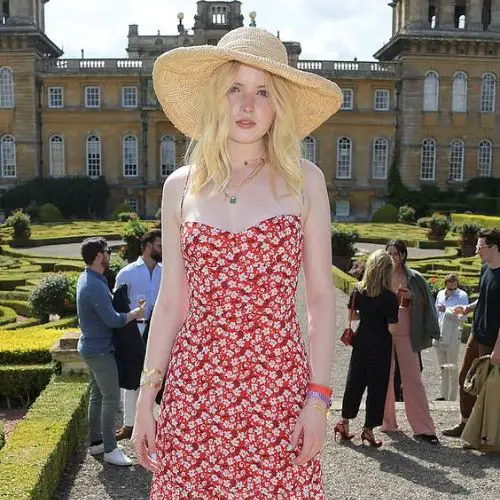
point(386, 213)
point(48, 297)
point(49, 212)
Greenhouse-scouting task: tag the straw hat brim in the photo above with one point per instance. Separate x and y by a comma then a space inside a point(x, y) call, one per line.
point(180, 75)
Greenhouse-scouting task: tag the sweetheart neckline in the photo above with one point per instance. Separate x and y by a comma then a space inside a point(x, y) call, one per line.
point(254, 226)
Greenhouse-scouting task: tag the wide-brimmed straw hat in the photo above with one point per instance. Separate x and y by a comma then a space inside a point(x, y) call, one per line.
point(179, 76)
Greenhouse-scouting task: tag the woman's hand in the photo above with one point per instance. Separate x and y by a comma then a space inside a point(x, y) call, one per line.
point(311, 425)
point(144, 436)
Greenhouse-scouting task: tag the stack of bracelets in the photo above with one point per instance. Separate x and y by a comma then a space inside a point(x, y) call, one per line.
point(151, 377)
point(321, 393)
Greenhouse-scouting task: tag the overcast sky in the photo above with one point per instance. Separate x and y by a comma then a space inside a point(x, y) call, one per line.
point(326, 29)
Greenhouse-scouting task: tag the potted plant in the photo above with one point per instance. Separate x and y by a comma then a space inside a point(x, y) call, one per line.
point(468, 238)
point(439, 225)
point(343, 249)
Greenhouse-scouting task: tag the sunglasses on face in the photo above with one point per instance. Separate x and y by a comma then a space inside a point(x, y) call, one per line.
point(107, 250)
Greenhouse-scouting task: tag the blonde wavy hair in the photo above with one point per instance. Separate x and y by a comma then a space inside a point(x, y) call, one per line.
point(377, 275)
point(209, 154)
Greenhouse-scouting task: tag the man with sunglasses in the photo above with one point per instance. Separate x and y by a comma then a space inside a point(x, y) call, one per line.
point(485, 338)
point(97, 319)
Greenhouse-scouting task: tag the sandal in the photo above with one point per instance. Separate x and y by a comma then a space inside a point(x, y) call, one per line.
point(428, 438)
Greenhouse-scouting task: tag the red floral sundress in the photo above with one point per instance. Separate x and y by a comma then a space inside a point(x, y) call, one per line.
point(238, 373)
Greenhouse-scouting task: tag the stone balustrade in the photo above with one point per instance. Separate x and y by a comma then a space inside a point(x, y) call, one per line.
point(372, 69)
point(64, 351)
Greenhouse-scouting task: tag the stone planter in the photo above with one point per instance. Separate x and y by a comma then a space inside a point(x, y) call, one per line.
point(468, 250)
point(64, 351)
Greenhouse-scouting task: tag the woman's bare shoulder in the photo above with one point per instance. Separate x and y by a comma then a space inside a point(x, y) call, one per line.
point(313, 175)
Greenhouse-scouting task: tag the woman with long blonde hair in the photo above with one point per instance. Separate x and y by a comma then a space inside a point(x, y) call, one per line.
point(244, 408)
point(376, 306)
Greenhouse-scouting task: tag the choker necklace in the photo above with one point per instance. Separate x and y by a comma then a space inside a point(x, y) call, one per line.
point(238, 185)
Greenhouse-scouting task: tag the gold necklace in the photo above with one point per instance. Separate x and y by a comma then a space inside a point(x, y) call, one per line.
point(238, 185)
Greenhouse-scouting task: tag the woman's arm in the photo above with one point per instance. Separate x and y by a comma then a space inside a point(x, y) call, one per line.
point(171, 304)
point(319, 288)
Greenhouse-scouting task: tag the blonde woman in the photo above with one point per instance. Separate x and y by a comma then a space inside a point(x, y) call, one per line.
point(244, 410)
point(376, 306)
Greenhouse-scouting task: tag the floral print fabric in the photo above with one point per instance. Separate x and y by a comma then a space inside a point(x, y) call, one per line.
point(238, 373)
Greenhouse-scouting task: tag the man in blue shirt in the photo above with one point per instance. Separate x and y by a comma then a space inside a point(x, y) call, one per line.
point(97, 319)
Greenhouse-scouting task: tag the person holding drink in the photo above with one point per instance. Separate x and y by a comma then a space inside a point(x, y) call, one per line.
point(417, 326)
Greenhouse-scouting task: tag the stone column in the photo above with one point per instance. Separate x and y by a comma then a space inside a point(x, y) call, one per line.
point(495, 16)
point(474, 16)
point(446, 15)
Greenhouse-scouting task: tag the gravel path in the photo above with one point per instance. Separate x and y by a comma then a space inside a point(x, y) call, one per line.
point(402, 468)
point(69, 250)
point(412, 252)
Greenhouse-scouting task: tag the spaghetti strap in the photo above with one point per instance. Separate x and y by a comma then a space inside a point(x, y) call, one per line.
point(184, 195)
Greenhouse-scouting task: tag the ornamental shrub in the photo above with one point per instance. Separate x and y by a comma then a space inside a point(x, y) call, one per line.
point(423, 222)
point(126, 216)
point(439, 225)
point(49, 212)
point(343, 241)
point(49, 296)
point(132, 233)
point(20, 223)
point(406, 214)
point(386, 213)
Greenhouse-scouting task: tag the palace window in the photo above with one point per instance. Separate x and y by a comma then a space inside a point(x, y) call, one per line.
point(167, 155)
point(56, 156)
point(133, 204)
point(94, 160)
point(382, 100)
point(219, 15)
point(8, 156)
point(459, 93)
point(92, 97)
point(55, 97)
point(484, 158)
point(6, 88)
point(342, 208)
point(488, 93)
point(379, 158)
point(129, 97)
point(456, 156)
point(130, 156)
point(348, 103)
point(428, 160)
point(309, 148)
point(431, 91)
point(344, 158)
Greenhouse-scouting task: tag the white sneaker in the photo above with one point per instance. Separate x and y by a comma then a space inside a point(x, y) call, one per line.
point(97, 449)
point(117, 457)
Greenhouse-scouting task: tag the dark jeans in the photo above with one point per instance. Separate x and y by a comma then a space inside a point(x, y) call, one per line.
point(369, 368)
point(473, 350)
point(104, 399)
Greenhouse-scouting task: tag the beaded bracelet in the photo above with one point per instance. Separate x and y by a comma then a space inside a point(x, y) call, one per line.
point(322, 389)
point(152, 377)
point(318, 395)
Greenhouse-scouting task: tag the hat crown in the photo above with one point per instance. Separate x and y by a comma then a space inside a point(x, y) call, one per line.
point(256, 42)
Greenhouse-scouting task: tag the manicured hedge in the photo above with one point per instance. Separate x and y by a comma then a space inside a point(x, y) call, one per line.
point(20, 306)
point(7, 315)
point(482, 220)
point(23, 324)
point(10, 283)
point(24, 382)
point(343, 281)
point(27, 345)
point(32, 461)
point(2, 435)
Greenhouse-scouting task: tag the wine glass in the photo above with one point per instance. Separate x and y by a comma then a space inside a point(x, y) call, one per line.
point(141, 323)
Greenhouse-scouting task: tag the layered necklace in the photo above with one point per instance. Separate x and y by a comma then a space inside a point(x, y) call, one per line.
point(232, 189)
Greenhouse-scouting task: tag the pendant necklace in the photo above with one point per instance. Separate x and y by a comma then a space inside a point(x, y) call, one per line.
point(238, 185)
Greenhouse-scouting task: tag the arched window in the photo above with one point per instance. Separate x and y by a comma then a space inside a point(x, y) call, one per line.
point(344, 158)
point(379, 158)
point(484, 158)
point(130, 156)
point(8, 156)
point(431, 91)
point(6, 88)
point(309, 148)
point(167, 155)
point(93, 156)
point(488, 93)
point(428, 160)
point(459, 95)
point(456, 172)
point(56, 156)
